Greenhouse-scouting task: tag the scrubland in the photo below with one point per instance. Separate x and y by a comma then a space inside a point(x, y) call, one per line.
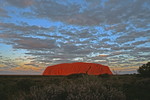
point(75, 87)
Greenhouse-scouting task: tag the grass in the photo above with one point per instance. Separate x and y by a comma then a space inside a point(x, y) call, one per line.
point(75, 87)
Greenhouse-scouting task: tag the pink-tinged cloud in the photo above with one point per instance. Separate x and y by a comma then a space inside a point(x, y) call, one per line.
point(103, 55)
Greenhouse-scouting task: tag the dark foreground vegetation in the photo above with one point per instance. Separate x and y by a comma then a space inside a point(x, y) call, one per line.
point(75, 87)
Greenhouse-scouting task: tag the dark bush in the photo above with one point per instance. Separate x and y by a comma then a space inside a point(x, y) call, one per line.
point(104, 75)
point(76, 75)
point(144, 70)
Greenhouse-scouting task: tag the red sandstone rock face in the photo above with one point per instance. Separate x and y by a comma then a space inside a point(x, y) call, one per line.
point(76, 68)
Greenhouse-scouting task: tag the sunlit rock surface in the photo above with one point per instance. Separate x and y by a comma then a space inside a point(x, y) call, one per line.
point(76, 68)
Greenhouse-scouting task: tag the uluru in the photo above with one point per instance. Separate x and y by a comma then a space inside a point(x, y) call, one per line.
point(77, 68)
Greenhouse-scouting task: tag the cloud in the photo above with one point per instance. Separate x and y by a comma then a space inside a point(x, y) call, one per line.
point(6, 62)
point(87, 12)
point(32, 65)
point(140, 42)
point(143, 49)
point(103, 55)
point(67, 44)
point(21, 3)
point(123, 48)
point(34, 43)
point(3, 13)
point(131, 36)
point(90, 12)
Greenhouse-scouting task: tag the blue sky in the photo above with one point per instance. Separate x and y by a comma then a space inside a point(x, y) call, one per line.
point(35, 34)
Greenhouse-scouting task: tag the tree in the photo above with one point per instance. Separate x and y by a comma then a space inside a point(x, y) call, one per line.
point(144, 70)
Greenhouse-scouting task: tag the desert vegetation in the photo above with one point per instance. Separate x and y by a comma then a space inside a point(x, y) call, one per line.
point(75, 87)
point(144, 70)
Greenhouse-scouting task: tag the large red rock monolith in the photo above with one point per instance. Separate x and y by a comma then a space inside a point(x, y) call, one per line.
point(77, 68)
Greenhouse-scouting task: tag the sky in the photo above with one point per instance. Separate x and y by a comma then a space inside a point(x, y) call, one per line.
point(35, 34)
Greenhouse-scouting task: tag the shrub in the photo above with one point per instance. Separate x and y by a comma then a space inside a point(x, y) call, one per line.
point(89, 89)
point(104, 75)
point(76, 75)
point(144, 70)
point(24, 84)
